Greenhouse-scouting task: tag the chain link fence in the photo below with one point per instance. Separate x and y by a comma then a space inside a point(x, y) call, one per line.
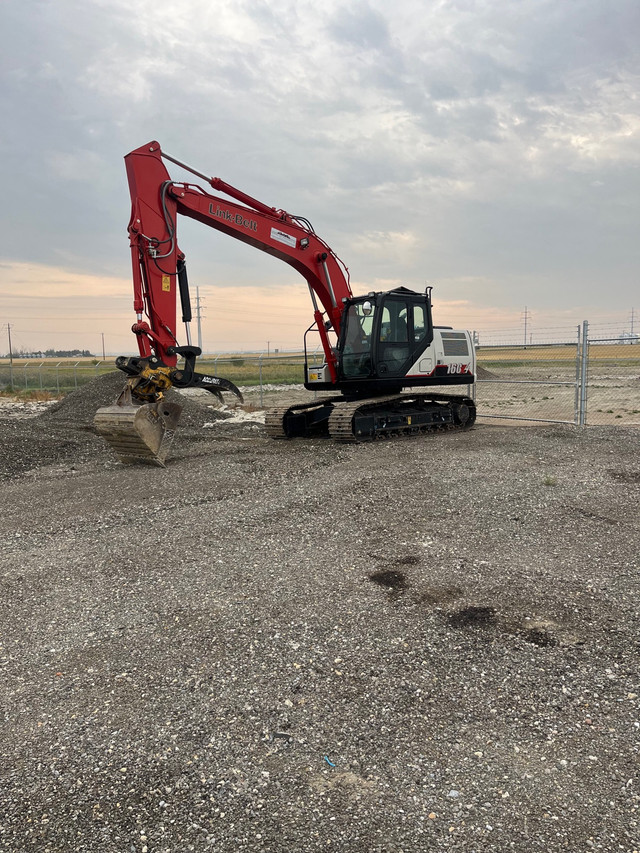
point(61, 377)
point(612, 382)
point(590, 378)
point(56, 377)
point(533, 383)
point(585, 380)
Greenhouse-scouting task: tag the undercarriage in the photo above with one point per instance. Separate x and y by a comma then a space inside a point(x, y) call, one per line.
point(367, 420)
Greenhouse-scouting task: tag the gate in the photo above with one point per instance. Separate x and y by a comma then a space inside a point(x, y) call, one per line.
point(585, 381)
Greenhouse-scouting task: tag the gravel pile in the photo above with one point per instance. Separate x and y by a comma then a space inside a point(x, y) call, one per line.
point(79, 407)
point(426, 644)
point(483, 373)
point(63, 432)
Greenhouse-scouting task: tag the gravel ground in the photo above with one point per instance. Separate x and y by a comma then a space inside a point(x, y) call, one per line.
point(426, 644)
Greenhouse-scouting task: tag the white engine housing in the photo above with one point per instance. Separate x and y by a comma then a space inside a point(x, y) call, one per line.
point(450, 347)
point(450, 354)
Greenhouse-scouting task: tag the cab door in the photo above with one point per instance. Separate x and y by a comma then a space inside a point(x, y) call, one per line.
point(404, 332)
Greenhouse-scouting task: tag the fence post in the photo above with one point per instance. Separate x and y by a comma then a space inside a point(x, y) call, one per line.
point(98, 363)
point(215, 366)
point(260, 366)
point(40, 373)
point(75, 373)
point(576, 404)
point(26, 383)
point(58, 376)
point(583, 373)
point(473, 388)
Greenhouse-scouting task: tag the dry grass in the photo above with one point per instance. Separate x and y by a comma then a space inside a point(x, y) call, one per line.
point(28, 396)
point(559, 352)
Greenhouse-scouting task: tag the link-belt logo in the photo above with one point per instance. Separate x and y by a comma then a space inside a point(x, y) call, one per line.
point(236, 218)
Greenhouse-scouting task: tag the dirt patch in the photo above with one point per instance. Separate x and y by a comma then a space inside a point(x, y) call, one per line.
point(473, 616)
point(625, 476)
point(540, 637)
point(389, 579)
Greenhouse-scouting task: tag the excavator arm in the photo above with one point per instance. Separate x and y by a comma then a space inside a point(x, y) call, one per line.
point(159, 270)
point(140, 425)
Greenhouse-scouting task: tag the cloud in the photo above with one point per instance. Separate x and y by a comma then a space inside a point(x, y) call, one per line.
point(360, 26)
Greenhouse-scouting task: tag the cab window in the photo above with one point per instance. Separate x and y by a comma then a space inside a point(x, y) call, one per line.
point(419, 322)
point(393, 326)
point(393, 347)
point(356, 353)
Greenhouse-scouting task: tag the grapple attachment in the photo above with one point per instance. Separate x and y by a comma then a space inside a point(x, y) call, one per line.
point(138, 432)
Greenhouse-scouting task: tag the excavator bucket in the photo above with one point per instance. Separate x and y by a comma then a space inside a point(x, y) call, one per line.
point(138, 433)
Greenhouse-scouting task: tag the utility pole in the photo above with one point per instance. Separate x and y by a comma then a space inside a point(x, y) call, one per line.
point(198, 317)
point(10, 356)
point(104, 358)
point(633, 317)
point(527, 317)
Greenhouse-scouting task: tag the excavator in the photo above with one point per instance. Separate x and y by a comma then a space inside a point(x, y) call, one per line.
point(372, 346)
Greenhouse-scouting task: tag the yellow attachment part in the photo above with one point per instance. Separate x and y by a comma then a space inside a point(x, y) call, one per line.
point(150, 384)
point(138, 432)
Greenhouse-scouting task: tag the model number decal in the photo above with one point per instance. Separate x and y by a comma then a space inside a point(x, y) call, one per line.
point(283, 237)
point(456, 367)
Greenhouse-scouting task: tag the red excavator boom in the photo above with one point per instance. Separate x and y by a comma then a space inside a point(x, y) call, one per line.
point(158, 262)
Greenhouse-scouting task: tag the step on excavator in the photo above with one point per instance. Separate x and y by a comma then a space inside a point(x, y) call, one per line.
point(373, 346)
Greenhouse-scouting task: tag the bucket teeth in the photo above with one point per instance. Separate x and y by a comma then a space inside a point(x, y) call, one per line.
point(139, 433)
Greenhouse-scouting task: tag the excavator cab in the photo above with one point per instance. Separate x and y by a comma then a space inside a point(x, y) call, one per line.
point(382, 336)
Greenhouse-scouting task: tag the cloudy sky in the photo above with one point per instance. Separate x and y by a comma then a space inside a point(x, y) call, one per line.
point(487, 147)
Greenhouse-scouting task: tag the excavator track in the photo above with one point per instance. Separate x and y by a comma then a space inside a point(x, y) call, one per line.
point(274, 422)
point(341, 420)
point(301, 420)
point(400, 415)
point(367, 420)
